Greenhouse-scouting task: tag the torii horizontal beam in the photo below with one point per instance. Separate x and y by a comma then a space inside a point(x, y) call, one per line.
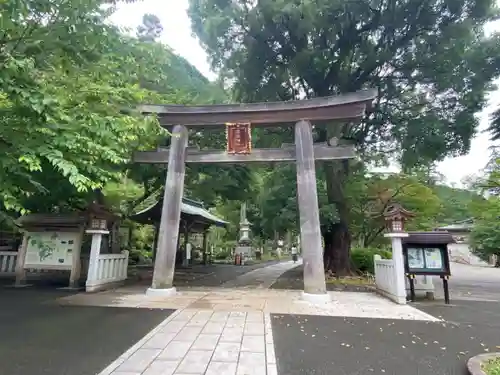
point(346, 107)
point(285, 154)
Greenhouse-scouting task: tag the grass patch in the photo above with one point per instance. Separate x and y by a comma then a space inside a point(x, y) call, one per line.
point(492, 367)
point(351, 280)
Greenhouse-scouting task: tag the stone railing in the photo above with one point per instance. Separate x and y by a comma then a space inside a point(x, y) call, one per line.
point(110, 269)
point(385, 279)
point(8, 261)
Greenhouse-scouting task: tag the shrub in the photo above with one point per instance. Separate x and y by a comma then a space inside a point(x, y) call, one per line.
point(222, 254)
point(362, 258)
point(139, 256)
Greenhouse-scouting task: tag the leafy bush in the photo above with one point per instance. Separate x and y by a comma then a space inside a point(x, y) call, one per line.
point(492, 367)
point(362, 258)
point(222, 254)
point(139, 256)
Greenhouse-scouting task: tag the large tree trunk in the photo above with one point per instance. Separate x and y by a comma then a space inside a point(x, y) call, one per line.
point(336, 236)
point(336, 254)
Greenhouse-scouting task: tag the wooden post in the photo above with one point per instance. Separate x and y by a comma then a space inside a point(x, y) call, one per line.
point(76, 265)
point(20, 261)
point(155, 240)
point(168, 235)
point(185, 260)
point(314, 273)
point(205, 245)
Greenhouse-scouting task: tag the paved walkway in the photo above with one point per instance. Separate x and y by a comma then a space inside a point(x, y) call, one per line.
point(203, 343)
point(233, 330)
point(261, 277)
point(227, 331)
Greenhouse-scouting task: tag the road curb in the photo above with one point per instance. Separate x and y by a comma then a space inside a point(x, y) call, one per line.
point(474, 365)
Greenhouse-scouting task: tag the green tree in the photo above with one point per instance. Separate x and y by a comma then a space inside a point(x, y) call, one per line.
point(429, 61)
point(485, 235)
point(150, 29)
point(69, 83)
point(370, 195)
point(63, 91)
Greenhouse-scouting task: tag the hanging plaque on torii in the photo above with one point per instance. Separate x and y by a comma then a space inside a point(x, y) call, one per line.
point(238, 138)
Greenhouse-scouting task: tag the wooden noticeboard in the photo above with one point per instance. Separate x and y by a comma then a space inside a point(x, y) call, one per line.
point(426, 260)
point(239, 138)
point(51, 250)
point(426, 253)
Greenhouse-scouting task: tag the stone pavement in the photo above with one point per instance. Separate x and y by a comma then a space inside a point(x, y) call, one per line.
point(261, 277)
point(217, 336)
point(227, 331)
point(363, 305)
point(203, 343)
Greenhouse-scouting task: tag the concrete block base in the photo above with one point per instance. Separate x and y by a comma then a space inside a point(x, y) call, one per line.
point(169, 292)
point(317, 299)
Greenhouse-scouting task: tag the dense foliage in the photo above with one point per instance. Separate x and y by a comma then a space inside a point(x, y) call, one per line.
point(429, 61)
point(485, 236)
point(69, 83)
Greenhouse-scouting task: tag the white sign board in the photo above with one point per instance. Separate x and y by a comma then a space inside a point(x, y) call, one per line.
point(53, 250)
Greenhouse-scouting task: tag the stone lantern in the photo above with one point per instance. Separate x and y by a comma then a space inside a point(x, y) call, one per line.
point(97, 227)
point(395, 217)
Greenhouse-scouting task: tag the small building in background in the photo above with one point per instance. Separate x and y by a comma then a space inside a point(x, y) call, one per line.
point(460, 251)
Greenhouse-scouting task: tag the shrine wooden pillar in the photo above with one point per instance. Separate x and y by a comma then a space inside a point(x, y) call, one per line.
point(155, 240)
point(168, 234)
point(185, 255)
point(310, 234)
point(205, 245)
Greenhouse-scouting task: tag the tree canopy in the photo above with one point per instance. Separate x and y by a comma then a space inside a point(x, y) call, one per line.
point(70, 83)
point(430, 62)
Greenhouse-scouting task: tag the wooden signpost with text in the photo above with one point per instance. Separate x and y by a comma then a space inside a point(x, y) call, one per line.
point(239, 138)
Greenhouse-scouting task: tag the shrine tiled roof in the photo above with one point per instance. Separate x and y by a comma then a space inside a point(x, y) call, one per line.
point(191, 208)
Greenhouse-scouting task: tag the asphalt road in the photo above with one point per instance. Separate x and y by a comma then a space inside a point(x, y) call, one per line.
point(351, 346)
point(39, 337)
point(472, 283)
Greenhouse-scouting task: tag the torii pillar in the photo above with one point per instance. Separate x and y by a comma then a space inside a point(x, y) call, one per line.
point(168, 234)
point(310, 234)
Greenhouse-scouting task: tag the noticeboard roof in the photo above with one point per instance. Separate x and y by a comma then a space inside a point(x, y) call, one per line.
point(428, 238)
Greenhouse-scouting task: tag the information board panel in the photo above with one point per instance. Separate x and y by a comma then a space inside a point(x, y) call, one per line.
point(51, 250)
point(426, 260)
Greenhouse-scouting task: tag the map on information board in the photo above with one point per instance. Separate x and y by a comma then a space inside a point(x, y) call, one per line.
point(433, 258)
point(52, 249)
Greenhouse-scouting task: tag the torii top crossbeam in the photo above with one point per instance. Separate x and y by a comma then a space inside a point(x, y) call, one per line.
point(345, 107)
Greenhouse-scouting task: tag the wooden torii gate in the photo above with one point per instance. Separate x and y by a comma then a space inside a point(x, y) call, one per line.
point(237, 119)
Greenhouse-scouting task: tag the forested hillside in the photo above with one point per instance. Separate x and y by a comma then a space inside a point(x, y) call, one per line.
point(70, 83)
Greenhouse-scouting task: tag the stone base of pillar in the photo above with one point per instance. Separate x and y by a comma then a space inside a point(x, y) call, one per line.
point(317, 299)
point(71, 288)
point(19, 286)
point(169, 292)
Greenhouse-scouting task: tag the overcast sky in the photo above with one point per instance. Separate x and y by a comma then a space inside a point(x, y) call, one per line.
point(177, 34)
